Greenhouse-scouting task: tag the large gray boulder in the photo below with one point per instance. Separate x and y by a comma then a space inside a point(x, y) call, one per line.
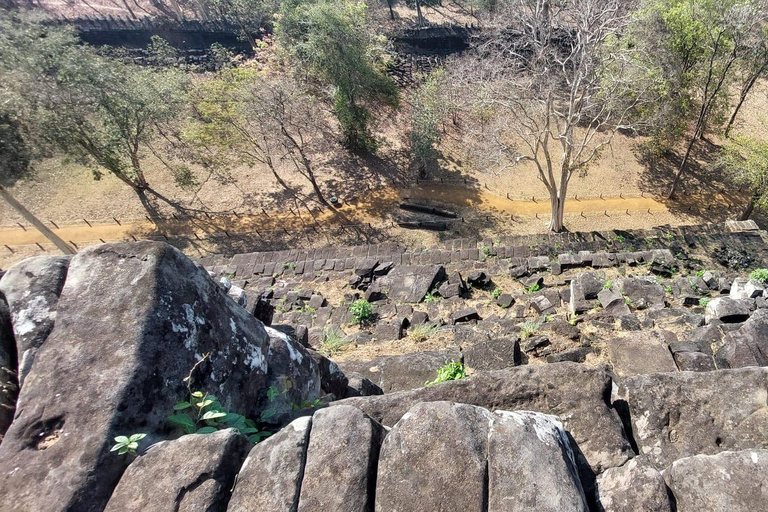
point(410, 283)
point(407, 371)
point(340, 468)
point(636, 485)
point(577, 393)
point(728, 481)
point(640, 352)
point(194, 472)
point(132, 321)
point(270, 478)
point(531, 465)
point(434, 458)
point(681, 414)
point(9, 389)
point(747, 346)
point(727, 310)
point(32, 288)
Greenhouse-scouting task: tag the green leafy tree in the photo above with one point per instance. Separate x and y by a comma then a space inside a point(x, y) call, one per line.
point(705, 41)
point(429, 109)
point(251, 16)
point(331, 40)
point(746, 162)
point(99, 110)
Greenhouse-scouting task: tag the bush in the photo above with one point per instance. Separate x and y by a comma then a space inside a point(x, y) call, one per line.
point(760, 274)
point(422, 332)
point(496, 293)
point(361, 311)
point(333, 341)
point(452, 371)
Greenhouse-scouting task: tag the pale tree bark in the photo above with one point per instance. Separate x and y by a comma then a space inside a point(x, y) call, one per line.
point(555, 95)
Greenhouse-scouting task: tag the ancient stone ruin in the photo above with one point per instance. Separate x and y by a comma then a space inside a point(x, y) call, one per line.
point(607, 372)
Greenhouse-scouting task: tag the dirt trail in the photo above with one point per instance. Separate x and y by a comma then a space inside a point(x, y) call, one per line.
point(372, 210)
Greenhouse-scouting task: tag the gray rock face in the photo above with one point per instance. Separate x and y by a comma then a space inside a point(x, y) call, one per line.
point(747, 346)
point(407, 371)
point(726, 310)
point(613, 303)
point(492, 354)
point(634, 486)
point(531, 465)
point(132, 320)
point(292, 370)
point(586, 285)
point(270, 478)
point(574, 392)
point(359, 385)
point(418, 467)
point(9, 389)
point(639, 353)
point(729, 481)
point(644, 292)
point(677, 415)
point(410, 283)
point(340, 469)
point(194, 472)
point(32, 288)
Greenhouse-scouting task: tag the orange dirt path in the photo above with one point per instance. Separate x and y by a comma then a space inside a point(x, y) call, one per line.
point(378, 202)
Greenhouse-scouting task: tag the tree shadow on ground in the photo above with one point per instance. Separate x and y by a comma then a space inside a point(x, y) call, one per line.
point(704, 193)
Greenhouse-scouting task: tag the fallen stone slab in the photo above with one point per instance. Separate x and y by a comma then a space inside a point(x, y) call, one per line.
point(613, 303)
point(194, 472)
point(465, 315)
point(644, 292)
point(410, 283)
point(401, 372)
point(640, 352)
point(727, 310)
point(574, 392)
point(636, 485)
point(492, 354)
point(732, 481)
point(747, 346)
point(681, 414)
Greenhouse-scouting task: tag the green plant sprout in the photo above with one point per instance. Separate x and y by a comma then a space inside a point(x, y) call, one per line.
point(127, 445)
point(451, 371)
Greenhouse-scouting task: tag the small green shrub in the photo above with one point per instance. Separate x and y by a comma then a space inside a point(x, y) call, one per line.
point(496, 293)
point(423, 332)
point(608, 285)
point(127, 445)
point(528, 329)
point(700, 273)
point(668, 289)
point(704, 301)
point(486, 251)
point(361, 311)
point(333, 341)
point(533, 288)
point(619, 239)
point(452, 371)
point(431, 297)
point(760, 274)
point(203, 414)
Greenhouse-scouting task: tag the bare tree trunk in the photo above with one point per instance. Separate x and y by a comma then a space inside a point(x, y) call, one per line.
point(680, 169)
point(749, 208)
point(29, 217)
point(742, 97)
point(391, 11)
point(557, 205)
point(419, 16)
